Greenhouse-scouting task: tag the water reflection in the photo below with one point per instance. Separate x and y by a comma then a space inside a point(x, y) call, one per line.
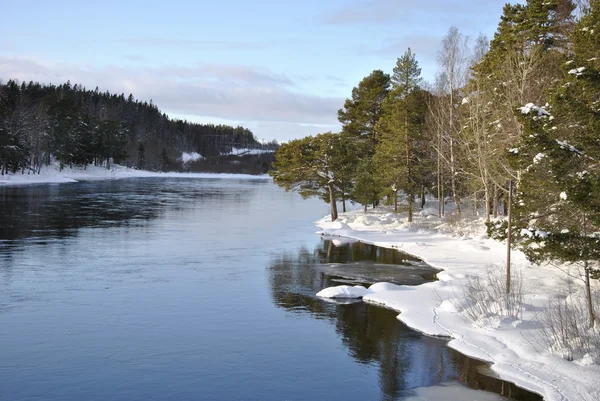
point(372, 335)
point(43, 212)
point(353, 262)
point(405, 359)
point(338, 250)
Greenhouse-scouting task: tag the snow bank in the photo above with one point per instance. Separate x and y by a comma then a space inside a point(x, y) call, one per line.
point(52, 174)
point(461, 248)
point(343, 291)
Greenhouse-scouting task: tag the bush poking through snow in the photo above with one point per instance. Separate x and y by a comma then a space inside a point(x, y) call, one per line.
point(484, 301)
point(565, 329)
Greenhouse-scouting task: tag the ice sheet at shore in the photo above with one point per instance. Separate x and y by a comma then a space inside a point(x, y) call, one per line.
point(463, 251)
point(451, 391)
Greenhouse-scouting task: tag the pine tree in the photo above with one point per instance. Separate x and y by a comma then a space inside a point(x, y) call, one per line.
point(366, 187)
point(315, 166)
point(522, 64)
point(164, 160)
point(141, 156)
point(558, 203)
point(362, 112)
point(401, 128)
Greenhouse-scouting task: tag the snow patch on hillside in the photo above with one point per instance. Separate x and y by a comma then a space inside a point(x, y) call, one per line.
point(190, 157)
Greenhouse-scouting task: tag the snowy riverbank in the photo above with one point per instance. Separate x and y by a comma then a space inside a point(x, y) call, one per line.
point(514, 346)
point(53, 174)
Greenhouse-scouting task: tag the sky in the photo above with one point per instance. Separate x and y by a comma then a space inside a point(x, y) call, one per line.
point(282, 68)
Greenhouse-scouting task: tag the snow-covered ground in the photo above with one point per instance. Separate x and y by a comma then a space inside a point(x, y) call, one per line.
point(52, 174)
point(513, 345)
point(249, 151)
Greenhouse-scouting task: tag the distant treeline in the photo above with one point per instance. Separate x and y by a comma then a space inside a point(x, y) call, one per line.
point(77, 126)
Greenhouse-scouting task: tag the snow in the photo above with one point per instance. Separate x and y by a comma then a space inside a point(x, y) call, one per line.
point(538, 158)
point(577, 71)
point(529, 107)
point(512, 345)
point(190, 157)
point(451, 391)
point(52, 174)
point(568, 146)
point(344, 291)
point(248, 151)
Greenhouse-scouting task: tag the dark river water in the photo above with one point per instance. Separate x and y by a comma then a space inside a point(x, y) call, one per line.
point(202, 289)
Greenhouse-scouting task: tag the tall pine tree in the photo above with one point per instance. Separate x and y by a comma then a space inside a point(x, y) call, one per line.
point(558, 203)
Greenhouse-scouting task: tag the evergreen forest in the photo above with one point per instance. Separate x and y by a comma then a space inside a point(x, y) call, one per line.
point(76, 126)
point(521, 111)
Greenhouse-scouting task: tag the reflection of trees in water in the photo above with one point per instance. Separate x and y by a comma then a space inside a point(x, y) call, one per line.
point(359, 251)
point(294, 282)
point(470, 373)
point(372, 334)
point(57, 211)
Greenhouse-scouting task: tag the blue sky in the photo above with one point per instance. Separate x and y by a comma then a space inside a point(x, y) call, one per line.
point(281, 68)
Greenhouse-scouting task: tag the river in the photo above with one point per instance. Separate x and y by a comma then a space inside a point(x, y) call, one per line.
point(189, 289)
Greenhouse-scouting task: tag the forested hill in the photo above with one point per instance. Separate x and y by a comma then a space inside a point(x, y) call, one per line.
point(77, 126)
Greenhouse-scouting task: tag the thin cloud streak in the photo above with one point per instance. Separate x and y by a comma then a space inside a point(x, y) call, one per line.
point(229, 92)
point(394, 12)
point(197, 44)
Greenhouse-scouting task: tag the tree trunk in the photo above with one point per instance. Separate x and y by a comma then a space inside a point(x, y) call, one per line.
point(439, 179)
point(408, 170)
point(588, 293)
point(422, 196)
point(495, 201)
point(453, 178)
point(334, 212)
point(508, 238)
point(410, 208)
point(487, 202)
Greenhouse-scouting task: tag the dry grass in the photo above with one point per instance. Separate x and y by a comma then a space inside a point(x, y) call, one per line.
point(565, 328)
point(485, 297)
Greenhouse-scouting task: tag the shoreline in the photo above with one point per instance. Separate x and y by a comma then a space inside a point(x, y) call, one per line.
point(52, 175)
point(462, 250)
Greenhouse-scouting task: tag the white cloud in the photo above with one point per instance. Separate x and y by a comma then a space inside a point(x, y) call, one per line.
point(252, 96)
